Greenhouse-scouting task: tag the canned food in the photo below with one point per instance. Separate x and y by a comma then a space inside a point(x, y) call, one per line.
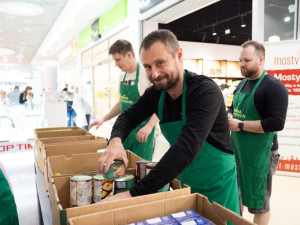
point(116, 169)
point(102, 187)
point(141, 169)
point(124, 183)
point(80, 190)
point(150, 166)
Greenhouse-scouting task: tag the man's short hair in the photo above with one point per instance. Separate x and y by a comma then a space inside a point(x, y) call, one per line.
point(260, 49)
point(164, 36)
point(121, 47)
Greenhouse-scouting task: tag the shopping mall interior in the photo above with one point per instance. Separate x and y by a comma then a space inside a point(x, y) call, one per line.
point(48, 44)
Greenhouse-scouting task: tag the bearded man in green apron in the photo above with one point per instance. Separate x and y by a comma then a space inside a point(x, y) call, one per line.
point(193, 119)
point(258, 110)
point(133, 84)
point(8, 212)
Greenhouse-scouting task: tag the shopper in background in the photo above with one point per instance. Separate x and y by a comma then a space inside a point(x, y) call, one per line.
point(71, 114)
point(258, 110)
point(133, 85)
point(8, 212)
point(193, 119)
point(26, 95)
point(82, 109)
point(15, 96)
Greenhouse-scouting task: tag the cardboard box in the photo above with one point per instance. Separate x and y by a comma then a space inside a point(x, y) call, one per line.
point(66, 149)
point(141, 212)
point(61, 210)
point(60, 133)
point(61, 165)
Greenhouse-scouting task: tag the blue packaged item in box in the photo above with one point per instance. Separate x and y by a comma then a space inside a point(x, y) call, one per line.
point(190, 217)
point(164, 220)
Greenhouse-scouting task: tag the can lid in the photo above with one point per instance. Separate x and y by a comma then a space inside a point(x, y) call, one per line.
point(116, 164)
point(99, 177)
point(143, 161)
point(80, 178)
point(151, 164)
point(125, 177)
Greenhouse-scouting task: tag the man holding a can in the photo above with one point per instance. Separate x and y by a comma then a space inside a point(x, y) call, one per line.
point(193, 119)
point(132, 85)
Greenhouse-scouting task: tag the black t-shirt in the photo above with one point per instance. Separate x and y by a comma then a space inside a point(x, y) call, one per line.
point(206, 121)
point(270, 101)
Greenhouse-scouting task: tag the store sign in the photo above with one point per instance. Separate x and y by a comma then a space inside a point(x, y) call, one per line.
point(283, 62)
point(13, 147)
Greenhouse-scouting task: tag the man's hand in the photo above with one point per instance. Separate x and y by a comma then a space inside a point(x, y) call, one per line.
point(119, 196)
point(98, 123)
point(143, 133)
point(233, 123)
point(114, 150)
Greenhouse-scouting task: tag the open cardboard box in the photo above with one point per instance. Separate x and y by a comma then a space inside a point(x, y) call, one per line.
point(67, 149)
point(61, 165)
point(141, 212)
point(60, 133)
point(60, 204)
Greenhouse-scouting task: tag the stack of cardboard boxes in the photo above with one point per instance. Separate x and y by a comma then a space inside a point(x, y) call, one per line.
point(62, 152)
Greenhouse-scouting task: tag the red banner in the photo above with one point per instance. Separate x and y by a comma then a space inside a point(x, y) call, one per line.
point(290, 78)
point(289, 165)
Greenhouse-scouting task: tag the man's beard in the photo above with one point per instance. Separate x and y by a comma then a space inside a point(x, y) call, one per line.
point(170, 82)
point(248, 74)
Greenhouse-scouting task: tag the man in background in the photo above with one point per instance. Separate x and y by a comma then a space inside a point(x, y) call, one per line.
point(258, 111)
point(133, 84)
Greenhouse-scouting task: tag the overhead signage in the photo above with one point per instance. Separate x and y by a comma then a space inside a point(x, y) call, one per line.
point(115, 16)
point(85, 37)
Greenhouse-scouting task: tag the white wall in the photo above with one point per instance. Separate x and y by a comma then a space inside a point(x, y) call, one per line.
point(196, 50)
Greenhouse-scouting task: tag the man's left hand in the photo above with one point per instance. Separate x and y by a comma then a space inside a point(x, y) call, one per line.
point(143, 133)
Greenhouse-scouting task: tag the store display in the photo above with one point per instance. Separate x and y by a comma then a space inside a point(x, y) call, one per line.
point(80, 190)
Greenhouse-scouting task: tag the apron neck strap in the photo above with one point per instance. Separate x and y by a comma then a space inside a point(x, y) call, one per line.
point(256, 85)
point(136, 74)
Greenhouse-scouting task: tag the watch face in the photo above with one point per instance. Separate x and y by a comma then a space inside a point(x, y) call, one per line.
point(241, 126)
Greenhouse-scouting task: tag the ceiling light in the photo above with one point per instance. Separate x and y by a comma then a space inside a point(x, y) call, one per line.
point(274, 38)
point(6, 51)
point(213, 31)
point(20, 56)
point(287, 19)
point(291, 8)
point(243, 24)
point(25, 30)
point(227, 31)
point(21, 8)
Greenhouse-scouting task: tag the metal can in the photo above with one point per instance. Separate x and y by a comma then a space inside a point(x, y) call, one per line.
point(150, 166)
point(80, 190)
point(141, 169)
point(102, 187)
point(124, 183)
point(116, 169)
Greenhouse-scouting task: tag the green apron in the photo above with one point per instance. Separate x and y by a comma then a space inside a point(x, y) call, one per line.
point(129, 95)
point(213, 172)
point(8, 212)
point(252, 150)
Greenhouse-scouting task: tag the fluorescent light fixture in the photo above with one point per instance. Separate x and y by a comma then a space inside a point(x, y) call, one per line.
point(287, 19)
point(274, 38)
point(21, 8)
point(227, 31)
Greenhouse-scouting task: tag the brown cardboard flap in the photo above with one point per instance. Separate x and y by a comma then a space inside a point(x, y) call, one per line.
point(45, 134)
point(68, 139)
point(142, 212)
point(108, 219)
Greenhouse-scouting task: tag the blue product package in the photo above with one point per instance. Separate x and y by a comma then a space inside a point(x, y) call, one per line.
point(190, 217)
point(164, 220)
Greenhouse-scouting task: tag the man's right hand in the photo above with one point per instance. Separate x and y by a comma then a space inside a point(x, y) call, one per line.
point(114, 150)
point(98, 123)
